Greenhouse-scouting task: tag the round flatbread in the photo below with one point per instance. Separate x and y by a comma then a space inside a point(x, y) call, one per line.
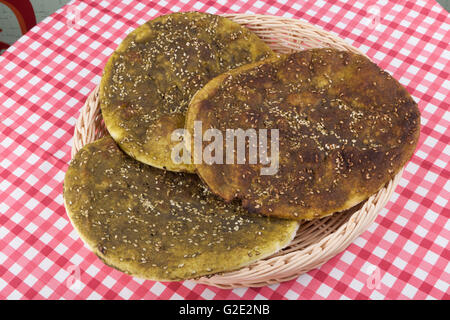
point(346, 127)
point(162, 225)
point(151, 77)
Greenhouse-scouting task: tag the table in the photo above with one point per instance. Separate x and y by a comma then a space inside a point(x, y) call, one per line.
point(47, 74)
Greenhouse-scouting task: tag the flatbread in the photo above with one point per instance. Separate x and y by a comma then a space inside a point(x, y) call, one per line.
point(151, 77)
point(162, 225)
point(346, 127)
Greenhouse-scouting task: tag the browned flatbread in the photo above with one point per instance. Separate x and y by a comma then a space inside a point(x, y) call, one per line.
point(162, 225)
point(346, 127)
point(151, 77)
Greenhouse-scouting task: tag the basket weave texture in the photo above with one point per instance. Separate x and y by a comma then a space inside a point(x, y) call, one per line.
point(316, 241)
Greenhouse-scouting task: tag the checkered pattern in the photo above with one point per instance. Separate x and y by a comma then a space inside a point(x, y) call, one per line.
point(46, 76)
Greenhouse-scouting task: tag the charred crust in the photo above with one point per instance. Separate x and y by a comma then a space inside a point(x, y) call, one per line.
point(346, 128)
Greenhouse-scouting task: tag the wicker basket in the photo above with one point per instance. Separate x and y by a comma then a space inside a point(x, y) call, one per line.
point(316, 241)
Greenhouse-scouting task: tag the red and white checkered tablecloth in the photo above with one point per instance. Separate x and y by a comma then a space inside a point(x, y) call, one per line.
point(46, 76)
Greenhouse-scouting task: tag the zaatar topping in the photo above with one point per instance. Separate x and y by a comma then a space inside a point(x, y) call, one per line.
point(161, 225)
point(346, 127)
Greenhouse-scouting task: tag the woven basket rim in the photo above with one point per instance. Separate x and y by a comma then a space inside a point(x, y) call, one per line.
point(282, 266)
